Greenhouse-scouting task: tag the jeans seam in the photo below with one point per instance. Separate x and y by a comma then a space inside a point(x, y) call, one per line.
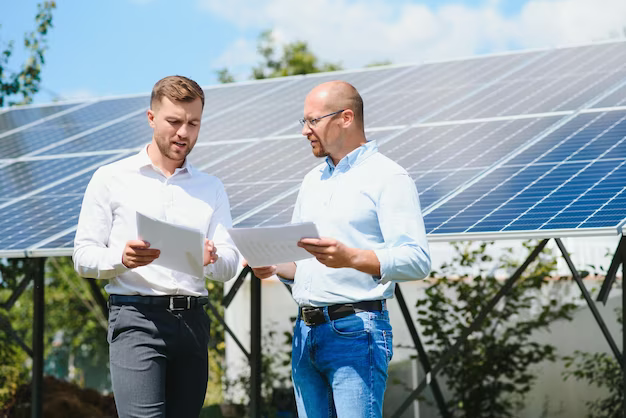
point(371, 367)
point(387, 351)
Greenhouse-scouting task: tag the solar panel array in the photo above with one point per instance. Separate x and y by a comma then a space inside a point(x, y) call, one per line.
point(526, 144)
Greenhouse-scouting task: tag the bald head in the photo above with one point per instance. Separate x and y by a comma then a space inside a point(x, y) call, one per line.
point(336, 95)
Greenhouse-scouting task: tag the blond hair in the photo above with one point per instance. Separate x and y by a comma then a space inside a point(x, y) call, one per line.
point(176, 88)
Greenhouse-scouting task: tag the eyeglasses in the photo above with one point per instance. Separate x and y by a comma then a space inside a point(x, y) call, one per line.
point(313, 122)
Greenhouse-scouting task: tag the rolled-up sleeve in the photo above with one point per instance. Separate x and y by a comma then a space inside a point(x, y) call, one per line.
point(405, 255)
point(92, 256)
point(225, 267)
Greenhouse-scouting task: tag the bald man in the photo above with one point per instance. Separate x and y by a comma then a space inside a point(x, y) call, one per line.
point(367, 211)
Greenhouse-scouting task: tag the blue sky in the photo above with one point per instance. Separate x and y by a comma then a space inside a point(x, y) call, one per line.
point(118, 47)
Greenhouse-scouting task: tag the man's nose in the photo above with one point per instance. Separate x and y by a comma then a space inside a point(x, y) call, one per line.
point(182, 131)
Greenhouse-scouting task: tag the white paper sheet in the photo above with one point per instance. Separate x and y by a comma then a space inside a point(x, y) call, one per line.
point(266, 246)
point(181, 247)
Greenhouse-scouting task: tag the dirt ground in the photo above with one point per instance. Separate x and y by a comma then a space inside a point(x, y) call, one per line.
point(61, 400)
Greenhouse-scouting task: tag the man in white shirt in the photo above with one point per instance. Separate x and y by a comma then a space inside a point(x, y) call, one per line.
point(367, 211)
point(158, 330)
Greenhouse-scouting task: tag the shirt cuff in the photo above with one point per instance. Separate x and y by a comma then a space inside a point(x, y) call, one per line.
point(385, 260)
point(116, 261)
point(285, 280)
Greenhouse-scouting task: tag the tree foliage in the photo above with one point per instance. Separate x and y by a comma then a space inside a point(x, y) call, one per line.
point(276, 386)
point(26, 81)
point(224, 76)
point(75, 344)
point(601, 370)
point(12, 355)
point(378, 63)
point(295, 59)
point(490, 373)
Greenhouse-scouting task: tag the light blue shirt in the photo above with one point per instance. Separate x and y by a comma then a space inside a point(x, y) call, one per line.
point(369, 202)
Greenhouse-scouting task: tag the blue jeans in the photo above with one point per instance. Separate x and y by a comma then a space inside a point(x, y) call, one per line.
point(339, 368)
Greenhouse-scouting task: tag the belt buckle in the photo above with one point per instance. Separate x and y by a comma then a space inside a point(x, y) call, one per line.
point(313, 316)
point(179, 303)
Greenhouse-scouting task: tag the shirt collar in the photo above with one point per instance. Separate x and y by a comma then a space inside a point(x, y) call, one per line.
point(354, 157)
point(143, 160)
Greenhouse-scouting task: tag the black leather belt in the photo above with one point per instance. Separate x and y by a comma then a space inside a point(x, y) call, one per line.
point(312, 315)
point(173, 303)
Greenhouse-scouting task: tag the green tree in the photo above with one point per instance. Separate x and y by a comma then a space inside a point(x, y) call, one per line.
point(224, 76)
point(12, 353)
point(296, 59)
point(75, 346)
point(490, 373)
point(601, 370)
point(75, 324)
point(378, 63)
point(26, 82)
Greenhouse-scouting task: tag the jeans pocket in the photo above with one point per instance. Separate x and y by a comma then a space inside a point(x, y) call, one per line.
point(351, 326)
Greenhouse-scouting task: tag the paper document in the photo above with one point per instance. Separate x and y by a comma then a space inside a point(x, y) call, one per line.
point(271, 245)
point(182, 248)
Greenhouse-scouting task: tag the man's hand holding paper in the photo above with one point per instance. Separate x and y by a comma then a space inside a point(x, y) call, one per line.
point(210, 252)
point(329, 251)
point(138, 253)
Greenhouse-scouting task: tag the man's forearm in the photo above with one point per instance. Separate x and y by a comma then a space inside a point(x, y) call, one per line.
point(286, 270)
point(365, 261)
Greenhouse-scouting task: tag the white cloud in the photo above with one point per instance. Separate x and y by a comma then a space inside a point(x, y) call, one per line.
point(570, 21)
point(356, 33)
point(238, 58)
point(79, 94)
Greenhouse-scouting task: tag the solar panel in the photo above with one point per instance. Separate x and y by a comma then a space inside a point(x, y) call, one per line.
point(74, 124)
point(617, 98)
point(542, 186)
point(524, 144)
point(564, 80)
point(19, 116)
point(433, 88)
point(277, 114)
point(24, 176)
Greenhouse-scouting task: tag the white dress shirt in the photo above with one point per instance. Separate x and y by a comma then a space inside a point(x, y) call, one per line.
point(108, 220)
point(369, 202)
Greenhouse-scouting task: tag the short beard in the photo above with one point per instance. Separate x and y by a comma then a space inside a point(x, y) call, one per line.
point(321, 152)
point(164, 148)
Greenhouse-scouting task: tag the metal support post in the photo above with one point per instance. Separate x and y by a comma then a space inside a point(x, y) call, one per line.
point(422, 356)
point(255, 346)
point(38, 328)
point(590, 303)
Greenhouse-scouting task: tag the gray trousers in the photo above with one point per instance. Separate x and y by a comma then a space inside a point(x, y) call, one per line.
point(159, 360)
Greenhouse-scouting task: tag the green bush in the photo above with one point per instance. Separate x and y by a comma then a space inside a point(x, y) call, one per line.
point(601, 370)
point(489, 375)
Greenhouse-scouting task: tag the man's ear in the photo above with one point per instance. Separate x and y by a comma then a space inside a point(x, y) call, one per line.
point(348, 117)
point(150, 114)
